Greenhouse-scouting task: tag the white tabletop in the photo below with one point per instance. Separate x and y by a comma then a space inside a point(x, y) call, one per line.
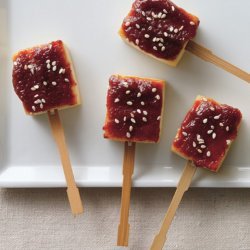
point(40, 219)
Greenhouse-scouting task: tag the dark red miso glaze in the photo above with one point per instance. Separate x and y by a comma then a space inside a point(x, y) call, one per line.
point(159, 27)
point(42, 78)
point(207, 132)
point(134, 107)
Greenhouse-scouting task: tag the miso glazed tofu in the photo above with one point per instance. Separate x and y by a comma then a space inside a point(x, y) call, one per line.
point(159, 28)
point(134, 109)
point(44, 79)
point(207, 133)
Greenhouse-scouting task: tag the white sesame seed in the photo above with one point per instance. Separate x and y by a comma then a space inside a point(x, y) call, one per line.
point(127, 24)
point(205, 120)
point(143, 13)
point(33, 89)
point(145, 112)
point(43, 100)
point(48, 66)
point(124, 118)
point(137, 26)
point(25, 67)
point(149, 18)
point(139, 94)
point(131, 128)
point(160, 44)
point(137, 41)
point(138, 111)
point(212, 108)
point(133, 120)
point(154, 39)
point(128, 92)
point(125, 84)
point(165, 11)
point(159, 15)
point(157, 97)
point(36, 86)
point(154, 90)
point(142, 103)
point(15, 63)
point(38, 101)
point(150, 28)
point(48, 61)
point(45, 83)
point(128, 135)
point(184, 133)
point(199, 150)
point(116, 100)
point(53, 63)
point(214, 135)
point(173, 8)
point(144, 119)
point(217, 117)
point(146, 36)
point(209, 132)
point(208, 153)
point(198, 137)
point(203, 146)
point(171, 28)
point(41, 106)
point(32, 71)
point(54, 83)
point(212, 126)
point(129, 103)
point(181, 28)
point(61, 71)
point(192, 23)
point(132, 115)
point(33, 108)
point(176, 30)
point(155, 48)
point(30, 66)
point(163, 16)
point(194, 144)
point(163, 48)
point(227, 128)
point(66, 80)
point(54, 68)
point(228, 142)
point(201, 141)
point(50, 46)
point(221, 124)
point(117, 121)
point(158, 118)
point(36, 95)
point(165, 34)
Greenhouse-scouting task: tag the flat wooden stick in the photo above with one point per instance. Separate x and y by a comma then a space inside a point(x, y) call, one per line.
point(128, 169)
point(208, 56)
point(182, 187)
point(72, 190)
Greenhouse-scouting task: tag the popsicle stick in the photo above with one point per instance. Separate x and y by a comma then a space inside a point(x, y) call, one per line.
point(72, 190)
point(208, 56)
point(182, 187)
point(128, 169)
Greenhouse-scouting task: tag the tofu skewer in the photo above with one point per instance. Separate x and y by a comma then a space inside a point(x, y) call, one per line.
point(45, 82)
point(203, 139)
point(134, 114)
point(162, 30)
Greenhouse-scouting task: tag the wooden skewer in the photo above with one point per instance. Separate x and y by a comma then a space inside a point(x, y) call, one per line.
point(72, 190)
point(128, 169)
point(182, 187)
point(208, 56)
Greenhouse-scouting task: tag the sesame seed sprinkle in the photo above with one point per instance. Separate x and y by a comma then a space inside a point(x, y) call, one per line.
point(228, 142)
point(138, 111)
point(227, 128)
point(36, 95)
point(48, 61)
point(128, 92)
point(145, 112)
point(66, 80)
point(43, 100)
point(214, 135)
point(131, 128)
point(158, 97)
point(48, 66)
point(139, 94)
point(116, 100)
point(173, 8)
point(144, 119)
point(165, 34)
point(45, 83)
point(129, 103)
point(205, 120)
point(158, 118)
point(165, 11)
point(30, 66)
point(171, 28)
point(33, 108)
point(128, 135)
point(192, 23)
point(38, 101)
point(146, 36)
point(203, 146)
point(176, 30)
point(127, 24)
point(117, 121)
point(54, 68)
point(137, 41)
point(54, 83)
point(53, 63)
point(209, 132)
point(154, 90)
point(133, 120)
point(221, 124)
point(137, 26)
point(15, 63)
point(217, 117)
point(163, 16)
point(25, 67)
point(199, 150)
point(163, 48)
point(149, 18)
point(212, 108)
point(208, 153)
point(61, 71)
point(184, 133)
point(181, 28)
point(41, 106)
point(155, 48)
point(194, 144)
point(212, 126)
point(124, 118)
point(143, 13)
point(132, 115)
point(142, 103)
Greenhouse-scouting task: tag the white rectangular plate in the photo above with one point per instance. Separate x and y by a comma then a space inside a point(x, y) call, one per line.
point(28, 155)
